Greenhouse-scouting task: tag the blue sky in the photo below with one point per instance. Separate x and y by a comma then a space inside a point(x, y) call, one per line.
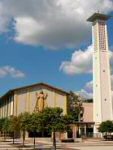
point(38, 64)
point(47, 45)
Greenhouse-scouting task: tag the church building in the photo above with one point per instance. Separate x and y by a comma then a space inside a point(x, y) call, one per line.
point(32, 98)
point(36, 97)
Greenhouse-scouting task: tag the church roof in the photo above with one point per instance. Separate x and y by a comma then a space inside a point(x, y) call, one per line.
point(33, 85)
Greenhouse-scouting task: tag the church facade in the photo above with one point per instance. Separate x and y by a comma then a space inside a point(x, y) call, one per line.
point(32, 98)
point(36, 97)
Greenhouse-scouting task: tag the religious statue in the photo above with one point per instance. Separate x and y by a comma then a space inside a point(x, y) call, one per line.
point(41, 102)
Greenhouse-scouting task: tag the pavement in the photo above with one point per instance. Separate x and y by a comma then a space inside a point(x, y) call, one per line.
point(46, 145)
point(92, 145)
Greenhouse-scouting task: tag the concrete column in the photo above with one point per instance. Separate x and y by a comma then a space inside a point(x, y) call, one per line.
point(85, 132)
point(74, 129)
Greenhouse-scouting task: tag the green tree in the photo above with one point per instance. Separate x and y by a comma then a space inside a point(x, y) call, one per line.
point(75, 107)
point(24, 123)
point(34, 124)
point(14, 125)
point(1, 124)
point(106, 127)
point(54, 120)
point(6, 126)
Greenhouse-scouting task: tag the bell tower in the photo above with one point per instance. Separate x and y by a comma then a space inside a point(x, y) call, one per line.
point(102, 98)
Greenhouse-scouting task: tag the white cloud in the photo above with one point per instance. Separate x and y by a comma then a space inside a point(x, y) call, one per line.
point(51, 23)
point(81, 62)
point(89, 87)
point(84, 94)
point(87, 91)
point(11, 71)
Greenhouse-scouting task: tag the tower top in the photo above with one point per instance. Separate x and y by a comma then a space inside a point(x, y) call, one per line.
point(98, 16)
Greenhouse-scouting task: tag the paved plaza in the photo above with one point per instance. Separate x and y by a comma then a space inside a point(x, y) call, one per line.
point(44, 145)
point(92, 146)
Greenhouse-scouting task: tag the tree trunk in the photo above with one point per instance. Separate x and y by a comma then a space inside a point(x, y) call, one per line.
point(4, 136)
point(23, 137)
point(13, 137)
point(54, 140)
point(42, 133)
point(34, 140)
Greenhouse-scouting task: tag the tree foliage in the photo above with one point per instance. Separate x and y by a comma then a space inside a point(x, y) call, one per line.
point(6, 125)
point(106, 127)
point(75, 106)
point(2, 120)
point(50, 119)
point(24, 123)
point(54, 120)
point(34, 124)
point(14, 126)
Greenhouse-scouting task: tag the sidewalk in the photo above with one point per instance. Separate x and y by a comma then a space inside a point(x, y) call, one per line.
point(47, 145)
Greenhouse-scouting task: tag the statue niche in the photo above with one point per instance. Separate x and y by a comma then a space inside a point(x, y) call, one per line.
point(41, 101)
